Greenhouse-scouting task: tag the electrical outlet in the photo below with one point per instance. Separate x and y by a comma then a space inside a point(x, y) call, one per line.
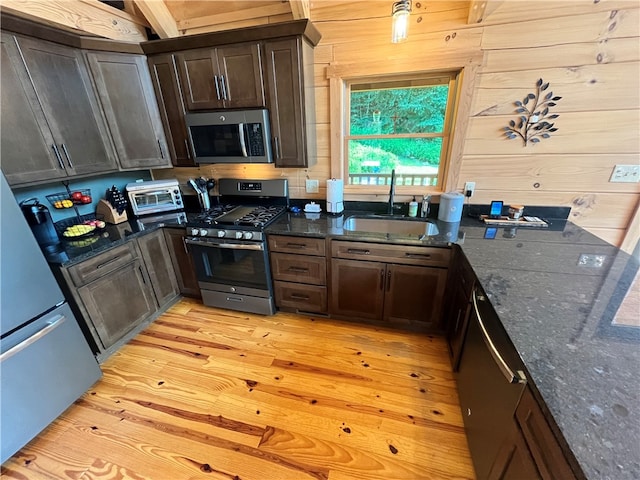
point(469, 187)
point(312, 186)
point(625, 173)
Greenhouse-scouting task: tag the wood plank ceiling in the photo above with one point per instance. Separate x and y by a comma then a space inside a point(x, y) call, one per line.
point(128, 20)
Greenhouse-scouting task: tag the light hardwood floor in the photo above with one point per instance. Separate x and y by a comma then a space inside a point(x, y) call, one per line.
point(213, 394)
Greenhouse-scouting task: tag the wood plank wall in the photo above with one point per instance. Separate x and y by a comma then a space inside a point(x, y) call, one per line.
point(589, 52)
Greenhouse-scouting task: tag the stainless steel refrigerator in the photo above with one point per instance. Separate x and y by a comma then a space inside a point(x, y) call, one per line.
point(45, 361)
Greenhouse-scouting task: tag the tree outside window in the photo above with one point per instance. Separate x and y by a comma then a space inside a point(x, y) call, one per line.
point(401, 124)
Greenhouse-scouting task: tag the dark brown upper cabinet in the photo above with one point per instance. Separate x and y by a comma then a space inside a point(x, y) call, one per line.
point(126, 94)
point(289, 72)
point(164, 77)
point(223, 77)
point(26, 141)
point(58, 91)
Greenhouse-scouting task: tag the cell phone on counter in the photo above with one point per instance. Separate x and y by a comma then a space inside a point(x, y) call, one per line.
point(496, 209)
point(490, 232)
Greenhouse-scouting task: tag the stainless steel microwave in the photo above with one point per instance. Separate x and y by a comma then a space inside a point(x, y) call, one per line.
point(230, 136)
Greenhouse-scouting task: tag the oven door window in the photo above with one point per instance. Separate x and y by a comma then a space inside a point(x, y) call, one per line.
point(217, 140)
point(233, 266)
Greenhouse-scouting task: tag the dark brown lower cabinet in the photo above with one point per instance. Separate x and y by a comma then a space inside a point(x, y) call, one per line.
point(542, 443)
point(118, 291)
point(118, 302)
point(357, 289)
point(299, 271)
point(407, 289)
point(514, 460)
point(182, 262)
point(457, 307)
point(158, 262)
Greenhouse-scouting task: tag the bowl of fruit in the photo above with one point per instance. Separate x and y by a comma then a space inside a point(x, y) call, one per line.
point(69, 199)
point(80, 226)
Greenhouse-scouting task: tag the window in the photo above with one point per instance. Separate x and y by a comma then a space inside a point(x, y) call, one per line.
point(401, 123)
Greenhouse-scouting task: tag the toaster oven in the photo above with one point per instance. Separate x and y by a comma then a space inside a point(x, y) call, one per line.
point(154, 197)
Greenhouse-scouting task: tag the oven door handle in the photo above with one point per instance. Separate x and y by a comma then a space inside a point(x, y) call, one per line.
point(232, 246)
point(243, 143)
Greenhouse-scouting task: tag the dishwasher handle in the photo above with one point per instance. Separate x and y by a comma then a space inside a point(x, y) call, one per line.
point(518, 376)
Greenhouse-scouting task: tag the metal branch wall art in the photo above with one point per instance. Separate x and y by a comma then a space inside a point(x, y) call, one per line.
point(533, 124)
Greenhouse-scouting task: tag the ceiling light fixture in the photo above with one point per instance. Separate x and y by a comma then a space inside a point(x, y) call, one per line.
point(400, 20)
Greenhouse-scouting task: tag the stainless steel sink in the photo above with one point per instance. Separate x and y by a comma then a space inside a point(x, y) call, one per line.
point(393, 225)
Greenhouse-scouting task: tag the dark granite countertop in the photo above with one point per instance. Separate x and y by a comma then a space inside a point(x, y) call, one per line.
point(559, 314)
point(558, 308)
point(74, 251)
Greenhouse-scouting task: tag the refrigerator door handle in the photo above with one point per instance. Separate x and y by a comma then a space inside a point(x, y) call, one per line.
point(48, 328)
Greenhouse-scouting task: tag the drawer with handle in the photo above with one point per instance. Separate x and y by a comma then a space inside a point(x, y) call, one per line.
point(391, 253)
point(299, 268)
point(302, 298)
point(300, 245)
point(95, 267)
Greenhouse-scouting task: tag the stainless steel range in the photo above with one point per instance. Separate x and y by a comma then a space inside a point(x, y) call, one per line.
point(229, 247)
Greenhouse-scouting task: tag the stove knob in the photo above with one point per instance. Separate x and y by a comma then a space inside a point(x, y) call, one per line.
point(195, 231)
point(221, 233)
point(203, 232)
point(248, 235)
point(238, 234)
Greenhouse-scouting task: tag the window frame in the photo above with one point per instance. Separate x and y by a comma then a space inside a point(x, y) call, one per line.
point(338, 74)
point(424, 79)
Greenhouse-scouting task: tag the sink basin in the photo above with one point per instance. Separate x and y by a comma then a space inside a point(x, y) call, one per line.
point(390, 224)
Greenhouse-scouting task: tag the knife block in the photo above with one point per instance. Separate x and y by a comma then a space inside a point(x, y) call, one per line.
point(110, 214)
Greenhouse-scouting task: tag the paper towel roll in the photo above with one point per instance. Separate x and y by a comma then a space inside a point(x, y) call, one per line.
point(450, 207)
point(335, 195)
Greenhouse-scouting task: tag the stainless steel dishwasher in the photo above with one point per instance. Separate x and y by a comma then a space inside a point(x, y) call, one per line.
point(490, 383)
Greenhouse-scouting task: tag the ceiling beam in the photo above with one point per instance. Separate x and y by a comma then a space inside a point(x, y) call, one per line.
point(476, 11)
point(231, 17)
point(159, 17)
point(300, 9)
point(86, 15)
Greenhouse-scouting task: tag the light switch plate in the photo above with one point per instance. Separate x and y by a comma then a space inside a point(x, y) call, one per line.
point(312, 186)
point(625, 174)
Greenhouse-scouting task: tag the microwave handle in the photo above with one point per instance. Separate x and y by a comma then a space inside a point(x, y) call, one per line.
point(243, 143)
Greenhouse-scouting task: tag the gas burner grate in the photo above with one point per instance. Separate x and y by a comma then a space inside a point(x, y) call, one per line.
point(209, 216)
point(260, 216)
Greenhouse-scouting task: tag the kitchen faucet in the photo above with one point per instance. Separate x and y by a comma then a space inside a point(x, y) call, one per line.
point(391, 191)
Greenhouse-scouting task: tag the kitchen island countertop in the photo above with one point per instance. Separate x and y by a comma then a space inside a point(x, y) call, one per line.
point(557, 292)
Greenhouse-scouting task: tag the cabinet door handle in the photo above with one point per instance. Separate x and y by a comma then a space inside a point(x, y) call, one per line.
point(296, 245)
point(508, 373)
point(142, 274)
point(298, 296)
point(66, 152)
point(111, 260)
point(184, 244)
point(186, 146)
point(215, 80)
point(388, 280)
point(382, 279)
point(160, 148)
point(57, 152)
point(298, 269)
point(417, 255)
point(276, 143)
point(224, 87)
point(358, 251)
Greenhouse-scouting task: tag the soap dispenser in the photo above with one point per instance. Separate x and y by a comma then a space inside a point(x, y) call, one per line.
point(413, 207)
